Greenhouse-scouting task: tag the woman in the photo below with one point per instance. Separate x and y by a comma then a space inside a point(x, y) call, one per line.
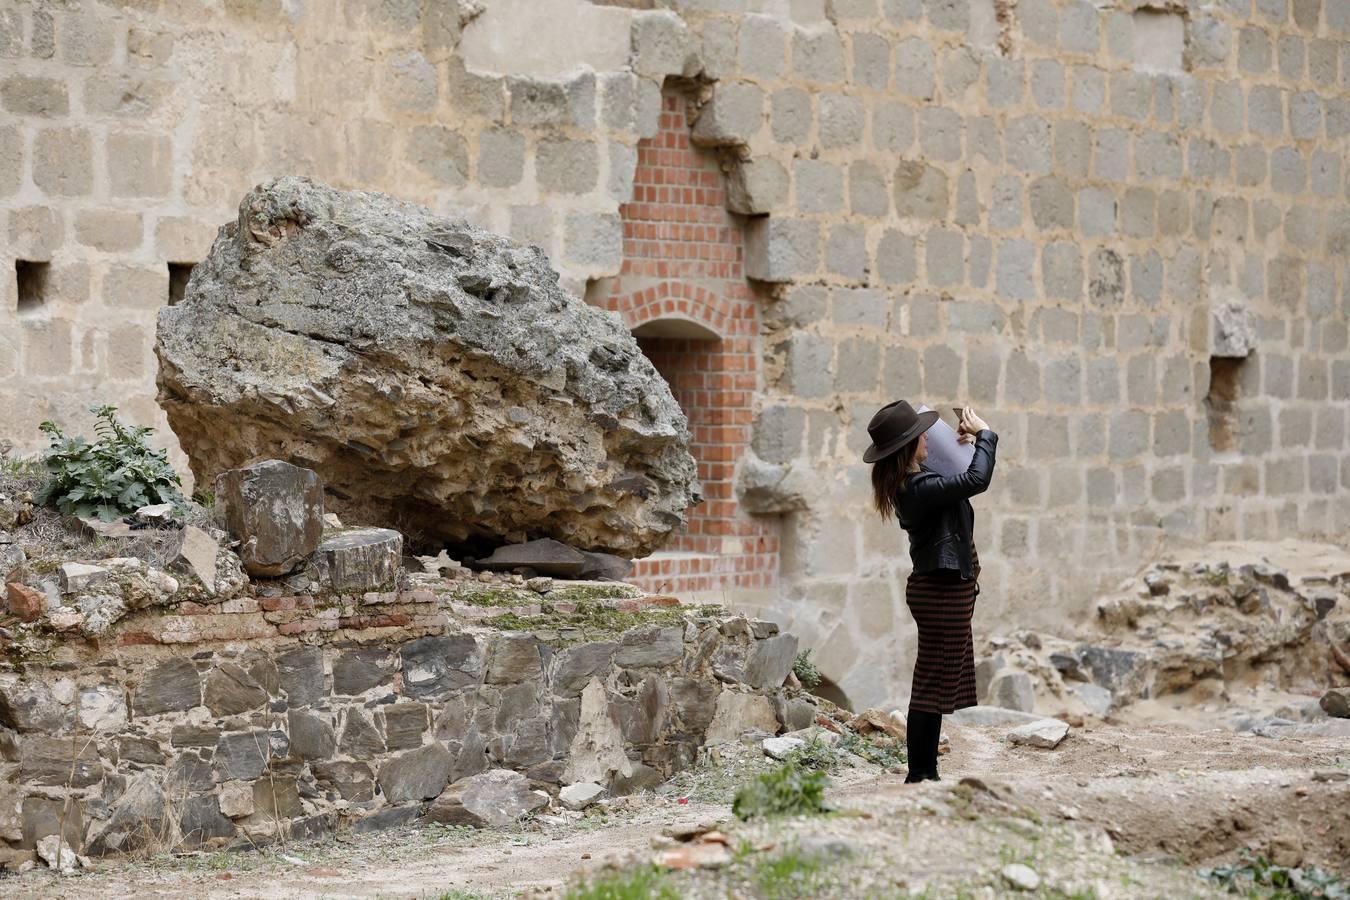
point(935, 512)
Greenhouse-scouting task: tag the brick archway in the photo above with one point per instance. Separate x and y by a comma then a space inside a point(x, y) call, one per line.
point(682, 291)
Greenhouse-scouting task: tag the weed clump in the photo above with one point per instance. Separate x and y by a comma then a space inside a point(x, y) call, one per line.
point(641, 883)
point(805, 670)
point(115, 475)
point(789, 790)
point(1253, 875)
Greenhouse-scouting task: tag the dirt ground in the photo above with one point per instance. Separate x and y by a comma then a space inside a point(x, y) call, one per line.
point(1113, 811)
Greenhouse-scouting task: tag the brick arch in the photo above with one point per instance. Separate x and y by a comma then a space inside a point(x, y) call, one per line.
point(668, 301)
point(682, 290)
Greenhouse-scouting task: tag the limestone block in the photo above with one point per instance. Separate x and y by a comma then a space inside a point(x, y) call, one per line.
point(492, 799)
point(662, 45)
point(842, 120)
point(774, 488)
point(915, 65)
point(790, 115)
point(139, 164)
point(779, 249)
point(501, 157)
point(567, 166)
point(921, 191)
point(359, 560)
point(577, 797)
point(757, 185)
point(439, 152)
point(733, 116)
point(63, 161)
point(1231, 331)
point(276, 510)
point(1097, 699)
point(27, 95)
point(593, 242)
point(992, 716)
point(818, 55)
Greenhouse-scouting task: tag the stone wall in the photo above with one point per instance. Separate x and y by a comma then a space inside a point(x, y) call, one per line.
point(281, 717)
point(1032, 208)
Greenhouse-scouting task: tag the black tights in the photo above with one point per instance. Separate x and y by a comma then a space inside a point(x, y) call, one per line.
point(923, 731)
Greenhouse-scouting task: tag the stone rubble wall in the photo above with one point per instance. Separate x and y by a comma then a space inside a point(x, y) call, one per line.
point(286, 717)
point(1031, 208)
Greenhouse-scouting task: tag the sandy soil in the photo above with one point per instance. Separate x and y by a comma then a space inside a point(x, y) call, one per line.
point(1125, 811)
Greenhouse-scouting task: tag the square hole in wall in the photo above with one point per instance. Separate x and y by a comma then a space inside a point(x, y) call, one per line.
point(33, 280)
point(179, 273)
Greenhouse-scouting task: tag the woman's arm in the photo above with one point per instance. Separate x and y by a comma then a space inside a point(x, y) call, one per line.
point(974, 480)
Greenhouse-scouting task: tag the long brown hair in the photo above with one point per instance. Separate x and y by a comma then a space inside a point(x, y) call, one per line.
point(888, 478)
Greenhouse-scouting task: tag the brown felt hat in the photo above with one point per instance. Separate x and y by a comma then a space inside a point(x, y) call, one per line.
point(894, 426)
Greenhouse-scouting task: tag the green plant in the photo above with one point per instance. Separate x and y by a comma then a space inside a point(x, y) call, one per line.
point(788, 790)
point(805, 670)
point(113, 476)
point(884, 756)
point(816, 754)
point(790, 874)
point(1250, 873)
point(642, 883)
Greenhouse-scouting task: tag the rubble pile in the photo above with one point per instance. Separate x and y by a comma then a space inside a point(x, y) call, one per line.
point(1199, 634)
point(288, 676)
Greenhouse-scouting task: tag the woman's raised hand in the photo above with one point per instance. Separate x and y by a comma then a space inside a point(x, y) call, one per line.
point(971, 423)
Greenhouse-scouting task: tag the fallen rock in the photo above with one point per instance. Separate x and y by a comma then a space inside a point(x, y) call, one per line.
point(579, 796)
point(1045, 734)
point(197, 557)
point(780, 747)
point(478, 400)
point(545, 556)
point(1021, 877)
point(991, 715)
point(24, 602)
point(361, 559)
point(1012, 690)
point(158, 514)
point(494, 798)
point(1097, 699)
point(78, 577)
point(604, 566)
point(275, 511)
point(90, 528)
point(57, 855)
point(11, 555)
point(1336, 703)
point(875, 719)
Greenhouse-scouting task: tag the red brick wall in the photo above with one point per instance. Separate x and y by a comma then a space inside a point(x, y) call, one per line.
point(683, 263)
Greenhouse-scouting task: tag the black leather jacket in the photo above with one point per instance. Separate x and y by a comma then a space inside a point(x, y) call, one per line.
point(936, 513)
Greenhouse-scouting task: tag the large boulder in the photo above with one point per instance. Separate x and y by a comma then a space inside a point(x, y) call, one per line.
point(434, 374)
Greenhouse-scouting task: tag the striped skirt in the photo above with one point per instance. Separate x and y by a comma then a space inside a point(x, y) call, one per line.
point(942, 604)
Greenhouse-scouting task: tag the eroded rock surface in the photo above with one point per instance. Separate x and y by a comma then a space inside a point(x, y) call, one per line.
point(434, 374)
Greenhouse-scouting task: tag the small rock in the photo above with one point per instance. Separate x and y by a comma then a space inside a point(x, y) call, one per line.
point(1024, 878)
point(1046, 734)
point(156, 514)
point(331, 520)
point(48, 849)
point(1097, 699)
point(1336, 703)
point(579, 796)
point(543, 584)
point(876, 719)
point(197, 556)
point(236, 799)
point(1012, 690)
point(815, 732)
point(24, 602)
point(711, 855)
point(78, 577)
point(780, 747)
point(64, 618)
point(90, 528)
